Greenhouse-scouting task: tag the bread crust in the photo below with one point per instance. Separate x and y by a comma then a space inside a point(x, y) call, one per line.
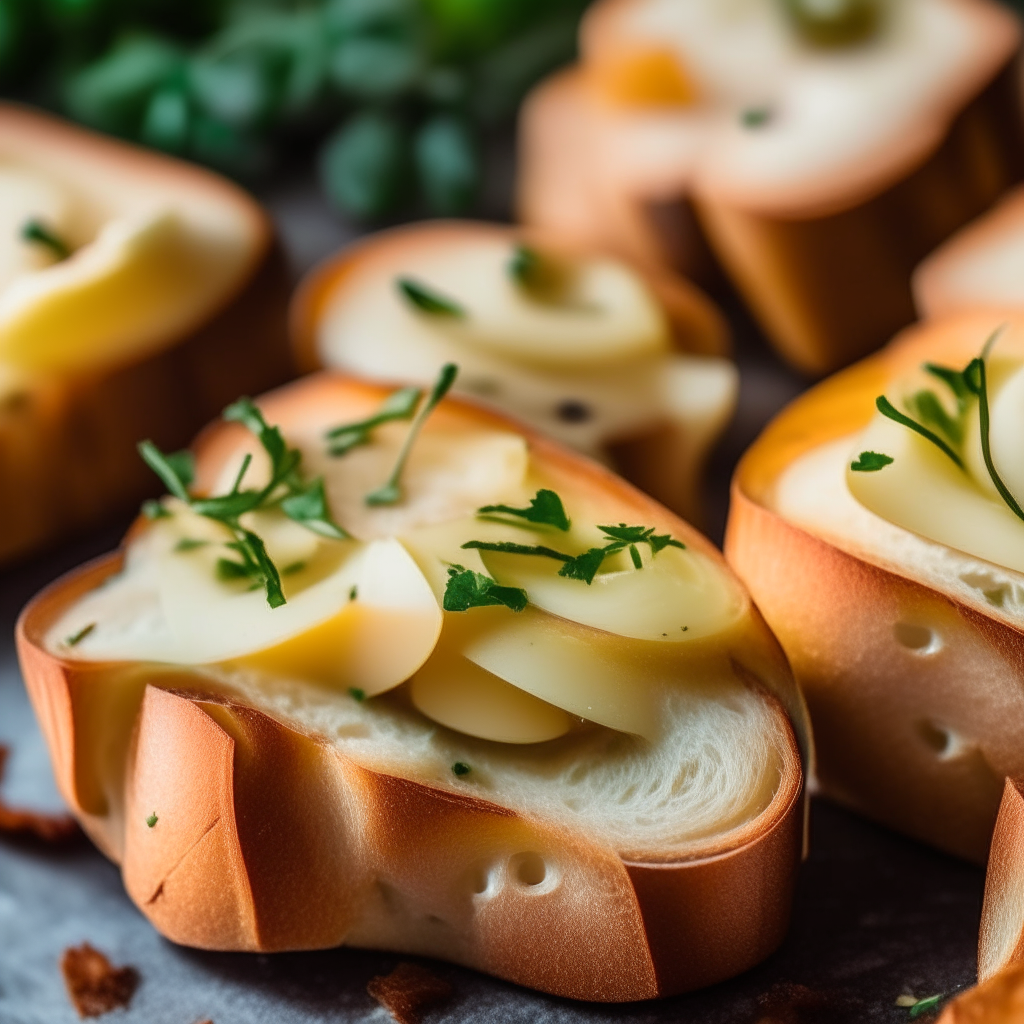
point(824, 266)
point(919, 738)
point(269, 838)
point(67, 443)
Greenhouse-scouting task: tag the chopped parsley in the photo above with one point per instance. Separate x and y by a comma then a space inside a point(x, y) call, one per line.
point(77, 638)
point(35, 230)
point(870, 462)
point(152, 819)
point(428, 301)
point(304, 503)
point(400, 405)
point(356, 694)
point(190, 544)
point(468, 589)
point(390, 493)
point(545, 509)
point(460, 768)
point(925, 1005)
point(755, 117)
point(542, 278)
point(353, 592)
point(155, 510)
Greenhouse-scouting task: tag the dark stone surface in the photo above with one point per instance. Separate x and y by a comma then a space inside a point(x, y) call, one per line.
point(876, 915)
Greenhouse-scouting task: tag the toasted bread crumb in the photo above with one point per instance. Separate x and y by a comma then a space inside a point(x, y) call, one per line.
point(407, 991)
point(51, 828)
point(94, 985)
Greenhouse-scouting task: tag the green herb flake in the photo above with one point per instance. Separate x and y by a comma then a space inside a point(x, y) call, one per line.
point(925, 1005)
point(190, 544)
point(887, 409)
point(460, 768)
point(428, 301)
point(871, 462)
point(511, 548)
point(356, 694)
point(400, 405)
point(467, 589)
point(35, 230)
point(540, 277)
point(353, 592)
point(291, 570)
point(391, 492)
point(755, 117)
point(155, 510)
point(545, 509)
point(77, 638)
point(152, 819)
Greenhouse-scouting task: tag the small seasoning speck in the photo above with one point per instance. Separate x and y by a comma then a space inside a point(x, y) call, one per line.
point(684, 628)
point(755, 117)
point(77, 638)
point(353, 593)
point(573, 411)
point(356, 694)
point(460, 768)
point(152, 819)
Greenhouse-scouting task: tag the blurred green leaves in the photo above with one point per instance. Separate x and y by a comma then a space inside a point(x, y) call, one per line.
point(399, 95)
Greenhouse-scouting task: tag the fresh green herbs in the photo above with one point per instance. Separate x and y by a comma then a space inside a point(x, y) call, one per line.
point(467, 589)
point(585, 566)
point(545, 509)
point(304, 503)
point(427, 301)
point(36, 231)
point(390, 493)
point(155, 510)
point(755, 117)
point(887, 409)
point(400, 405)
point(839, 23)
point(870, 462)
point(77, 638)
point(190, 544)
point(925, 1005)
point(460, 768)
point(541, 277)
point(356, 694)
point(152, 819)
point(353, 592)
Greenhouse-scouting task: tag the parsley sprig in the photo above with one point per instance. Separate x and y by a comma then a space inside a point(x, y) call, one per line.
point(545, 509)
point(304, 503)
point(426, 300)
point(468, 589)
point(34, 230)
point(399, 405)
point(390, 493)
point(966, 385)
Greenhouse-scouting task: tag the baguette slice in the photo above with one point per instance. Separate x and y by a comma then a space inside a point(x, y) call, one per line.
point(173, 300)
point(259, 813)
point(819, 180)
point(979, 266)
point(639, 382)
point(910, 653)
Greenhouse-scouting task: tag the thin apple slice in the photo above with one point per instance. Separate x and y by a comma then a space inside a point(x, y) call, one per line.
point(459, 694)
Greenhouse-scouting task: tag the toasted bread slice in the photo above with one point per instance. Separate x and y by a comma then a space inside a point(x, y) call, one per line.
point(909, 649)
point(979, 266)
point(623, 366)
point(262, 802)
point(138, 295)
point(819, 181)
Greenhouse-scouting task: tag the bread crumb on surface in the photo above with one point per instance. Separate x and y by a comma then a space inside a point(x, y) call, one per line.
point(51, 828)
point(409, 990)
point(95, 986)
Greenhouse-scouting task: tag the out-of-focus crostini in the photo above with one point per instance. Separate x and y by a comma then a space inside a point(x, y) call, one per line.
point(878, 523)
point(137, 295)
point(823, 149)
point(626, 367)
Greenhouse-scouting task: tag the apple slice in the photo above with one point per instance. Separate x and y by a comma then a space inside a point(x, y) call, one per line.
point(459, 694)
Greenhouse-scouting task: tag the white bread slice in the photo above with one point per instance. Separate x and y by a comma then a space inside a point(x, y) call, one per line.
point(172, 300)
point(979, 266)
point(596, 866)
point(820, 210)
point(644, 374)
point(910, 653)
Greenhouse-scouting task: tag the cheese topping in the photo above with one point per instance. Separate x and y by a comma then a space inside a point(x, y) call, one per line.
point(366, 615)
point(780, 121)
point(89, 279)
point(586, 360)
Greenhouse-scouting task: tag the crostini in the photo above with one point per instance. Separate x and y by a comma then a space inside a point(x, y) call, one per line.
point(627, 368)
point(979, 266)
point(377, 675)
point(878, 525)
point(138, 294)
point(823, 149)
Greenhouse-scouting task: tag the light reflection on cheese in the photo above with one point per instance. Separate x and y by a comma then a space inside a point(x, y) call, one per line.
point(925, 492)
point(364, 615)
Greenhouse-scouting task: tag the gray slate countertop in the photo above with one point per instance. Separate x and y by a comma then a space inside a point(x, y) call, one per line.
point(876, 915)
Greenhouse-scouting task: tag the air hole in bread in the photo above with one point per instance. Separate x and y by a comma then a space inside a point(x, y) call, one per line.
point(1000, 593)
point(478, 880)
point(943, 741)
point(528, 869)
point(916, 638)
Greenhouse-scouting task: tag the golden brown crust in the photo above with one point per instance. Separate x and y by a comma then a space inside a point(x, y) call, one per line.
point(998, 1000)
point(919, 738)
point(1001, 942)
point(67, 445)
point(266, 837)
